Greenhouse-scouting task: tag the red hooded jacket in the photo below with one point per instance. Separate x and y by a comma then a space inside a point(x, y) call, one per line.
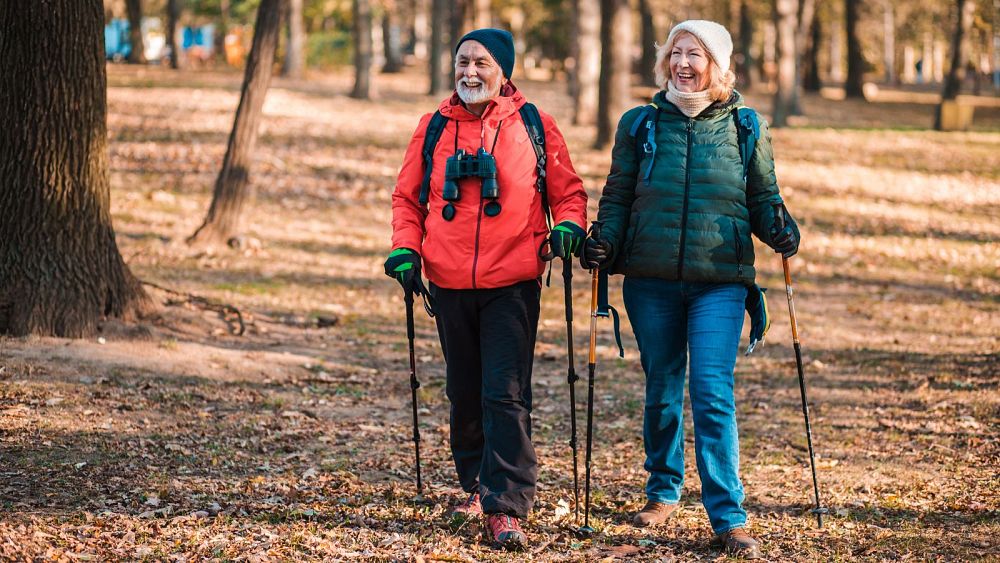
point(474, 250)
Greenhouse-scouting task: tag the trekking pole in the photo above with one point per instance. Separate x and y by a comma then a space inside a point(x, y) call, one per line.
point(414, 384)
point(571, 379)
point(819, 511)
point(586, 530)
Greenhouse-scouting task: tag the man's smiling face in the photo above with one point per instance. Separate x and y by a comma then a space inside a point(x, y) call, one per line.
point(478, 77)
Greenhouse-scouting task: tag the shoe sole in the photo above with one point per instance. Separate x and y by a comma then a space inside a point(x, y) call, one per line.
point(512, 544)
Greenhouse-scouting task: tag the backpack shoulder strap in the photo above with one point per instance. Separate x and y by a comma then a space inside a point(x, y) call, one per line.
point(434, 129)
point(645, 145)
point(747, 133)
point(536, 132)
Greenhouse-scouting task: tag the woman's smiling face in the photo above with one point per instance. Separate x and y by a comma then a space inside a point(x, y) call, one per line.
point(689, 65)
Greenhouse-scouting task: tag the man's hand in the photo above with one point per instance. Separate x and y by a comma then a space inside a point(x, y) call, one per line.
point(596, 254)
point(403, 265)
point(566, 239)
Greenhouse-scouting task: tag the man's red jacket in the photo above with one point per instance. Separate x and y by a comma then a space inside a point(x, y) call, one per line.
point(474, 250)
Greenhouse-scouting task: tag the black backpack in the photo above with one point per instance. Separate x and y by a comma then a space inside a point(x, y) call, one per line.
point(536, 132)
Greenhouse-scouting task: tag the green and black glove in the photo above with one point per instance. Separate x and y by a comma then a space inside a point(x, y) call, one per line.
point(566, 239)
point(760, 317)
point(403, 265)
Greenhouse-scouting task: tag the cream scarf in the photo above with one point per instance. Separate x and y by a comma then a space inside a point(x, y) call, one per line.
point(690, 103)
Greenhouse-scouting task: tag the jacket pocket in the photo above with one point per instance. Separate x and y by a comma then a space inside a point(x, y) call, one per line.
point(739, 248)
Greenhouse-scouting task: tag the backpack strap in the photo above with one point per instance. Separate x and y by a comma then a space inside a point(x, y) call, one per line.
point(747, 133)
point(434, 129)
point(646, 121)
point(536, 132)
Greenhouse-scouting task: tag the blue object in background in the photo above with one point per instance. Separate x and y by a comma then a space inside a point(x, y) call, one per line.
point(116, 41)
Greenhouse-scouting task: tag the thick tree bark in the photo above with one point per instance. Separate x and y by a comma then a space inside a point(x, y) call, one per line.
point(173, 33)
point(616, 68)
point(392, 37)
point(784, 25)
point(363, 47)
point(60, 269)
point(438, 48)
point(854, 85)
point(648, 38)
point(138, 53)
point(295, 51)
point(233, 189)
point(811, 81)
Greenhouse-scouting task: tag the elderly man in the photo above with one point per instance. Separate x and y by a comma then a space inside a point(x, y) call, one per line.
point(469, 209)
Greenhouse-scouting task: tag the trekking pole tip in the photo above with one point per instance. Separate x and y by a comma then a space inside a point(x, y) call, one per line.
point(585, 532)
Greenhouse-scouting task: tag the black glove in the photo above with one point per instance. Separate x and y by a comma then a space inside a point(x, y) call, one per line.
point(597, 253)
point(784, 240)
point(566, 239)
point(403, 265)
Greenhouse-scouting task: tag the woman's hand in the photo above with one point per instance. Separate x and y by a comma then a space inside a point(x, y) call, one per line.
point(596, 254)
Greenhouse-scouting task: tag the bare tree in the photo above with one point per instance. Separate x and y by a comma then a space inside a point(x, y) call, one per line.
point(746, 70)
point(363, 48)
point(392, 40)
point(956, 74)
point(438, 48)
point(811, 81)
point(60, 269)
point(854, 86)
point(648, 39)
point(138, 53)
point(295, 60)
point(785, 27)
point(233, 188)
point(173, 35)
point(587, 71)
point(616, 67)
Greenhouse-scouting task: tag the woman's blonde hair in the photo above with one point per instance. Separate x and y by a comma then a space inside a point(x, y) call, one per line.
point(720, 84)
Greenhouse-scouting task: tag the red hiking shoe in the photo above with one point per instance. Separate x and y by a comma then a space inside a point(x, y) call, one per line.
point(505, 532)
point(470, 508)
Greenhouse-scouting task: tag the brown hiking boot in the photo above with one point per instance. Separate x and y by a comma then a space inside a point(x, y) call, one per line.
point(738, 543)
point(471, 508)
point(654, 513)
point(505, 532)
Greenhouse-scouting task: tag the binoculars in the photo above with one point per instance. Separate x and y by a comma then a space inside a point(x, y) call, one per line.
point(464, 165)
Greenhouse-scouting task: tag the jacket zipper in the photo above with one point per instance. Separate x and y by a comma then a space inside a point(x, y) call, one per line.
point(739, 250)
point(479, 218)
point(687, 193)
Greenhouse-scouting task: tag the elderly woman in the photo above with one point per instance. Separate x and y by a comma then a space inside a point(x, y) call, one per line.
point(678, 209)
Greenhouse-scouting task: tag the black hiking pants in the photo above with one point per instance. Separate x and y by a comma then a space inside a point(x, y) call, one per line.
point(488, 339)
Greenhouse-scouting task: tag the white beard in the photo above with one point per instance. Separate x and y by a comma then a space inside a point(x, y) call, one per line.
point(476, 95)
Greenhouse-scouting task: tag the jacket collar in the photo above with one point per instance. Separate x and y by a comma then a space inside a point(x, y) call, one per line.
point(712, 111)
point(503, 106)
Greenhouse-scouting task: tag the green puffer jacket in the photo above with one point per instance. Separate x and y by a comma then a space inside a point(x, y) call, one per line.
point(693, 221)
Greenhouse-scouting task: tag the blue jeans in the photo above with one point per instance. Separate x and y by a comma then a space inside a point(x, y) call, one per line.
point(672, 319)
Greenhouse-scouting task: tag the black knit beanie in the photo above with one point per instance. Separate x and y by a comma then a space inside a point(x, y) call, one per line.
point(500, 44)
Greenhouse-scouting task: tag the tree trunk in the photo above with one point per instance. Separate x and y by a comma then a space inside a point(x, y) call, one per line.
point(456, 25)
point(616, 67)
point(889, 42)
point(811, 81)
point(745, 68)
point(784, 26)
point(956, 73)
point(233, 188)
point(648, 38)
point(138, 53)
point(438, 48)
point(363, 47)
point(421, 29)
point(60, 269)
point(173, 33)
point(853, 87)
point(804, 15)
point(484, 14)
point(295, 61)
point(392, 40)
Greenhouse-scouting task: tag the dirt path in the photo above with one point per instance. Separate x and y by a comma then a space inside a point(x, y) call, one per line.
point(176, 440)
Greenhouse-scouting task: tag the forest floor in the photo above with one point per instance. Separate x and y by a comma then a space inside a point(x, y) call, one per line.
point(174, 439)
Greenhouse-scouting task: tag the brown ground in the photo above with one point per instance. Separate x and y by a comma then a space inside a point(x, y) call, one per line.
point(176, 440)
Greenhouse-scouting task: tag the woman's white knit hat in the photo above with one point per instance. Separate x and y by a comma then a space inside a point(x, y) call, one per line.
point(715, 37)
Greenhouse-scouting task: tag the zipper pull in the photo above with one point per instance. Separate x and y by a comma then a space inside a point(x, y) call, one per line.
point(690, 125)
